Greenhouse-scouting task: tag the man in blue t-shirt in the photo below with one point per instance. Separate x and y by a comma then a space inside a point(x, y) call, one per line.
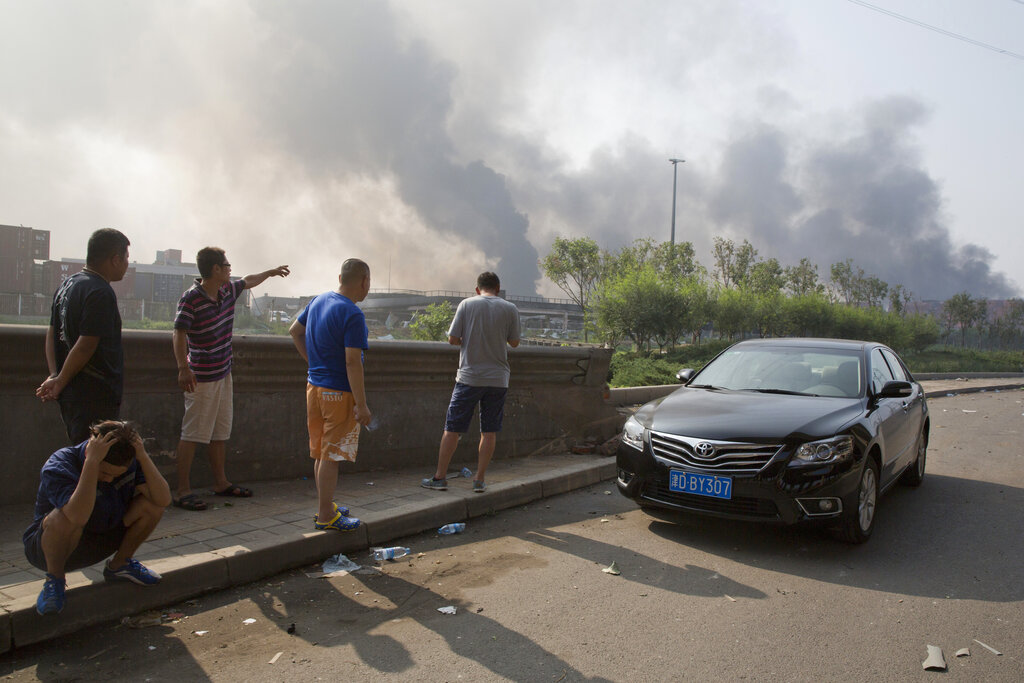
point(330, 333)
point(100, 498)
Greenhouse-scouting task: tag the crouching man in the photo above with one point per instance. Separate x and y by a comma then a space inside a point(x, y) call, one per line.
point(100, 498)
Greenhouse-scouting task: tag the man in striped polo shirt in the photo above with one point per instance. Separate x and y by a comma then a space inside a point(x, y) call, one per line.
point(202, 349)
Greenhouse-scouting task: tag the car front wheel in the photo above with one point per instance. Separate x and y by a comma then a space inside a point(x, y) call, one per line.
point(858, 522)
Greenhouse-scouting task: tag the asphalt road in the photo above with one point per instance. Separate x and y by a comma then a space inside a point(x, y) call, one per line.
point(696, 600)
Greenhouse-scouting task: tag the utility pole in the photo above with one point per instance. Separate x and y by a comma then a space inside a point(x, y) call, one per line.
point(675, 163)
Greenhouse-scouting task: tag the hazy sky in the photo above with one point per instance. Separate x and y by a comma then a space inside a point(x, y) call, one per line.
point(439, 139)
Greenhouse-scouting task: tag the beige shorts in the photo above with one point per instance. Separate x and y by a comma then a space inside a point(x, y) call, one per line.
point(208, 412)
point(331, 419)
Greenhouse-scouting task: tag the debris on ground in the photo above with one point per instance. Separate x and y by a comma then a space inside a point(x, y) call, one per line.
point(250, 620)
point(200, 633)
point(730, 598)
point(935, 660)
point(275, 658)
point(450, 609)
point(963, 652)
point(143, 620)
point(612, 569)
point(339, 565)
point(585, 447)
point(291, 629)
point(991, 649)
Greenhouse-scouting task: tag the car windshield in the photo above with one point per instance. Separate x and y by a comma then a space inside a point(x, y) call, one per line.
point(814, 372)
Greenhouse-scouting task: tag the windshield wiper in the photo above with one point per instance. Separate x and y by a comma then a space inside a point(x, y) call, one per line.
point(702, 386)
point(780, 391)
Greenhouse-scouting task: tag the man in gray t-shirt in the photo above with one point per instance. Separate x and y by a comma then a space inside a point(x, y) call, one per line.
point(483, 328)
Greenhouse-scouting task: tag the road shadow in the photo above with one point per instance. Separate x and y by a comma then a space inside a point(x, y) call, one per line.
point(121, 652)
point(644, 569)
point(341, 620)
point(952, 537)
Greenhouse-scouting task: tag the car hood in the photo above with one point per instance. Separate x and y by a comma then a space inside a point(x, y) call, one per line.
point(725, 415)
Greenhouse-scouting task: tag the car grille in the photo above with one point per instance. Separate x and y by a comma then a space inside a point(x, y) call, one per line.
point(729, 457)
point(750, 507)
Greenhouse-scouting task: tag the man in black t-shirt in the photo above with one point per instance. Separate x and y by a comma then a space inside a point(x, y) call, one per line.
point(83, 342)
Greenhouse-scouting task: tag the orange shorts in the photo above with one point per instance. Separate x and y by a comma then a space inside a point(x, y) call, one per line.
point(331, 418)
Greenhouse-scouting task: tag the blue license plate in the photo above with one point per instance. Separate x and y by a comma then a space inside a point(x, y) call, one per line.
point(700, 484)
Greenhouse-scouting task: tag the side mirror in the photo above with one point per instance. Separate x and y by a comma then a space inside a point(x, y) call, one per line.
point(685, 374)
point(896, 389)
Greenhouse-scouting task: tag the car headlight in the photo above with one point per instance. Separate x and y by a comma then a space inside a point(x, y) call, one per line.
point(826, 450)
point(633, 433)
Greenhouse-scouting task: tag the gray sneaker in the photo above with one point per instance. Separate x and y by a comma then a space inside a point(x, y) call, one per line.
point(479, 486)
point(435, 484)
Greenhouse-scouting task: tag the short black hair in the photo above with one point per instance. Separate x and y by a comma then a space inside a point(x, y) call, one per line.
point(353, 271)
point(488, 281)
point(121, 452)
point(104, 244)
point(207, 258)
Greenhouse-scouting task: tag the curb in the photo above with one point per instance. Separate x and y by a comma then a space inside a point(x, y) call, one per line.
point(193, 575)
point(941, 393)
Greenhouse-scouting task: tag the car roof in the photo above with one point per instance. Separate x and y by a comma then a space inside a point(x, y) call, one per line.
point(810, 342)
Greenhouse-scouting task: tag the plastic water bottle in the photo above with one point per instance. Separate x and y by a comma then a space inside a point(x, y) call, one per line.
point(466, 473)
point(381, 554)
point(455, 528)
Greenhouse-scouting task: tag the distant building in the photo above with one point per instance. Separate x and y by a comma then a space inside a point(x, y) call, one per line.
point(28, 278)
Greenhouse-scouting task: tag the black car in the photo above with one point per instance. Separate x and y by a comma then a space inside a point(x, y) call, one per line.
point(781, 430)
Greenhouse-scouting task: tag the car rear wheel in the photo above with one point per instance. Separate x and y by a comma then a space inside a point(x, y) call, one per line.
point(858, 522)
point(914, 475)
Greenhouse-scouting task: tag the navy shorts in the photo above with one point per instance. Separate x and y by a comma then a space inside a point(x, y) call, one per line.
point(80, 415)
point(92, 547)
point(464, 400)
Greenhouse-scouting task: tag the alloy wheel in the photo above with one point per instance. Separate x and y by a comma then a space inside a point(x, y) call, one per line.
point(867, 500)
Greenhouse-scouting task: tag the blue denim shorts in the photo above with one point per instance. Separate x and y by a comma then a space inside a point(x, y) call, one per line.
point(464, 400)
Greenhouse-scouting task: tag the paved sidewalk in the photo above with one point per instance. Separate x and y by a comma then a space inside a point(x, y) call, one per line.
point(238, 540)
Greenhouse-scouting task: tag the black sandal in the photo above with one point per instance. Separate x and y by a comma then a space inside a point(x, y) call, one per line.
point(190, 502)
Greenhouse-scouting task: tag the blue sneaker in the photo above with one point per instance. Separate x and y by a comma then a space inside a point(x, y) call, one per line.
point(133, 571)
point(435, 484)
point(51, 598)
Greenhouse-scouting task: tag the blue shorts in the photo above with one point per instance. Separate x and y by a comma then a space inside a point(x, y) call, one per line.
point(93, 547)
point(464, 400)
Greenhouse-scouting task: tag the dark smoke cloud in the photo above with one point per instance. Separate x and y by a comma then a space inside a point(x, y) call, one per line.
point(351, 95)
point(864, 196)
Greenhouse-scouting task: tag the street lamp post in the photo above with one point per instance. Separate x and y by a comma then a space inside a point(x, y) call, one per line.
point(674, 163)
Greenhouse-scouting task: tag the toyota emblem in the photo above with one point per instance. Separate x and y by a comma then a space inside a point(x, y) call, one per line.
point(704, 450)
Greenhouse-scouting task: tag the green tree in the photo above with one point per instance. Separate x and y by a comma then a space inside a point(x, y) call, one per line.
point(899, 297)
point(432, 323)
point(733, 262)
point(802, 279)
point(843, 280)
point(627, 305)
point(733, 313)
point(766, 277)
point(575, 266)
point(809, 315)
point(962, 311)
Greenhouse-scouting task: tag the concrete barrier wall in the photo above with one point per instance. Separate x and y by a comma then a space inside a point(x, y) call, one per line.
point(555, 394)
